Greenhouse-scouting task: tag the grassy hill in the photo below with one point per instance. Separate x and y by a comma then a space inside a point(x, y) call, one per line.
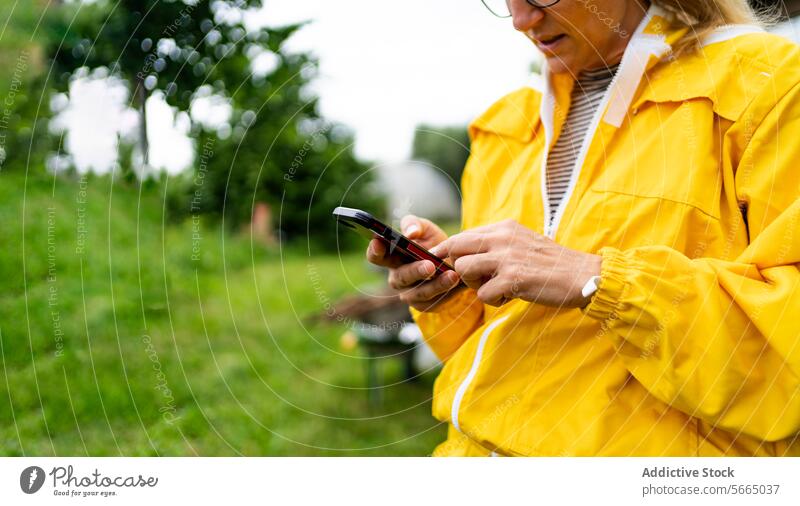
point(123, 334)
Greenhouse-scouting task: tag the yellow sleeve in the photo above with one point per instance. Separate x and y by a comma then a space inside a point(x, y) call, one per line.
point(720, 340)
point(447, 329)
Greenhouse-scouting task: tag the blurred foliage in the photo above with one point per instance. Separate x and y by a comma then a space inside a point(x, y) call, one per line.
point(275, 148)
point(24, 91)
point(445, 148)
point(171, 46)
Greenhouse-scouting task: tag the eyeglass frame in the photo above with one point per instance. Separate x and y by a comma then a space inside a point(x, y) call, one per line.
point(532, 3)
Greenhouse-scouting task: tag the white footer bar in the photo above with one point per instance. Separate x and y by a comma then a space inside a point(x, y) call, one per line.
point(399, 481)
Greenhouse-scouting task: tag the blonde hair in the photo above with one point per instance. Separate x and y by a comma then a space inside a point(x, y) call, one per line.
point(701, 17)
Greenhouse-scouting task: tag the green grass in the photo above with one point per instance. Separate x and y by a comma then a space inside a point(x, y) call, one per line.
point(130, 346)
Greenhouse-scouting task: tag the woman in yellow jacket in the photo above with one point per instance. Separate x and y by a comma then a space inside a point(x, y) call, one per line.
point(651, 307)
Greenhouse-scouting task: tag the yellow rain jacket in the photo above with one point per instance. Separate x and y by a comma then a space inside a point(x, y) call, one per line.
point(688, 187)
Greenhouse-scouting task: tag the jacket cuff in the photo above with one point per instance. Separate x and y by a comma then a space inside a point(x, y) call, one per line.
point(614, 280)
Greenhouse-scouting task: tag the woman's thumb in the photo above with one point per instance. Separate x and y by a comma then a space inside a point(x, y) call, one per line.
point(411, 226)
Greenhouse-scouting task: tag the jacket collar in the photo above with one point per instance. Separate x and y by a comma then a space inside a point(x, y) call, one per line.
point(516, 115)
point(650, 42)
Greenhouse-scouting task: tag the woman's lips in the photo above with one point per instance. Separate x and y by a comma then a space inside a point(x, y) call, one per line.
point(548, 45)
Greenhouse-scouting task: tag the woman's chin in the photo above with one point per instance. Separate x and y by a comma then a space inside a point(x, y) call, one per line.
point(558, 65)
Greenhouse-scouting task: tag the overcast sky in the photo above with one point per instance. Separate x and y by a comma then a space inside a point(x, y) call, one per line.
point(385, 66)
point(389, 65)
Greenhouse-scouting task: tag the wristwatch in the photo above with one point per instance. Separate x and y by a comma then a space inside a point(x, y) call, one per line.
point(590, 287)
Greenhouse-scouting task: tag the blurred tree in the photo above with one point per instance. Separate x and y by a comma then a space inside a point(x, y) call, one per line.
point(173, 46)
point(24, 94)
point(274, 148)
point(445, 148)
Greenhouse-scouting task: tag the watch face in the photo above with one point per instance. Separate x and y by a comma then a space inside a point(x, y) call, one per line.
point(591, 286)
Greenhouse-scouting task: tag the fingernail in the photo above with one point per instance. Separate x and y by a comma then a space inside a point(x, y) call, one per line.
point(452, 277)
point(412, 229)
point(425, 269)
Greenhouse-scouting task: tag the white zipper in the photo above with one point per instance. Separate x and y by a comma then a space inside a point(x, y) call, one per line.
point(547, 109)
point(551, 226)
point(462, 388)
point(650, 45)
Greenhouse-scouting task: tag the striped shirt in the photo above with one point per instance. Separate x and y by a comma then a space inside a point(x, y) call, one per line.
point(586, 97)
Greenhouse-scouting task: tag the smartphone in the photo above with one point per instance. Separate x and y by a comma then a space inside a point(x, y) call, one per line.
point(370, 227)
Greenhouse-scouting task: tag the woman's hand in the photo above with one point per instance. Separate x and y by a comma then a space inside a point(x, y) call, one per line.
point(505, 260)
point(414, 280)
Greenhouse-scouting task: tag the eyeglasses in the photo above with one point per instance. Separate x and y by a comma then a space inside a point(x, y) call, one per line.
point(500, 7)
